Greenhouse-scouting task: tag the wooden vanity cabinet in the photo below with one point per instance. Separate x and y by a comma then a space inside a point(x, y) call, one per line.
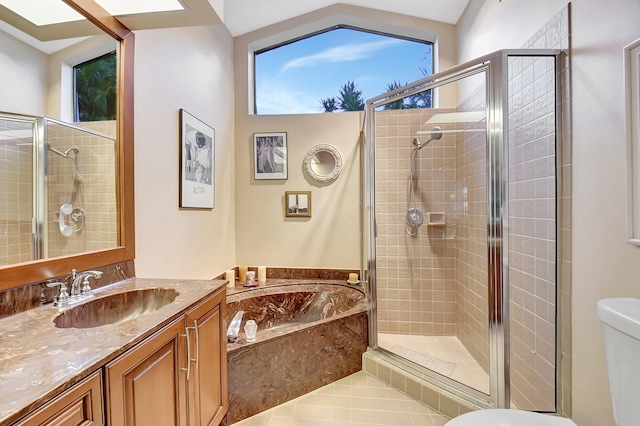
point(208, 398)
point(176, 377)
point(81, 405)
point(146, 386)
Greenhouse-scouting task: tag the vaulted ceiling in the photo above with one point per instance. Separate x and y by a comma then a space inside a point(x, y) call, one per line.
point(239, 16)
point(243, 16)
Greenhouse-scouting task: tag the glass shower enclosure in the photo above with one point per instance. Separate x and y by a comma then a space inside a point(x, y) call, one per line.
point(57, 187)
point(461, 229)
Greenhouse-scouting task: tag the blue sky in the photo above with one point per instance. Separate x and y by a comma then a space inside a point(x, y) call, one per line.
point(293, 78)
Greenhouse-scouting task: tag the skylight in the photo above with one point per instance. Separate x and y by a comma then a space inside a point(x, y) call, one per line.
point(47, 12)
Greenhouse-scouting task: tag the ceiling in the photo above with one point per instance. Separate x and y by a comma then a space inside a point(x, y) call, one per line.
point(243, 16)
point(239, 16)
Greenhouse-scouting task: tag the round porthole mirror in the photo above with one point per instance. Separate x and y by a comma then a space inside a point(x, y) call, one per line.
point(323, 163)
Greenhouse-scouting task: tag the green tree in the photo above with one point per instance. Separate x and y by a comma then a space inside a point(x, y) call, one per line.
point(399, 104)
point(350, 98)
point(329, 104)
point(96, 89)
point(422, 99)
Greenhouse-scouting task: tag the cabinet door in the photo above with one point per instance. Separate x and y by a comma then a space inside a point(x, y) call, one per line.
point(80, 405)
point(146, 385)
point(208, 398)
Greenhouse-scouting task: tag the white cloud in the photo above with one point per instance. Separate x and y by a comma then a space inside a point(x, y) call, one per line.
point(278, 101)
point(345, 53)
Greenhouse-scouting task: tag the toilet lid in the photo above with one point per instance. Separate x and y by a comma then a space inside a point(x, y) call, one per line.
point(505, 417)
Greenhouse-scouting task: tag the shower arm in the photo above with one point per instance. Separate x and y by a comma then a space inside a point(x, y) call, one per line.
point(62, 154)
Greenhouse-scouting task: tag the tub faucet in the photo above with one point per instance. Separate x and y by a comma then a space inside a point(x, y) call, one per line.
point(234, 327)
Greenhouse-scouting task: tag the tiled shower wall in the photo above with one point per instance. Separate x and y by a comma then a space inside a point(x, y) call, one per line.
point(472, 295)
point(16, 204)
point(96, 165)
point(95, 188)
point(416, 287)
point(533, 198)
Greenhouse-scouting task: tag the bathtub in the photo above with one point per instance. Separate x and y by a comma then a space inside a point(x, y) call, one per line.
point(309, 334)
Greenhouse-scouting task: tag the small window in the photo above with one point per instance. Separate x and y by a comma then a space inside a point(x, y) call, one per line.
point(337, 70)
point(95, 89)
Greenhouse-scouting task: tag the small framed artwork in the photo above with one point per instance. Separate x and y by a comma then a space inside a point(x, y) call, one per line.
point(197, 161)
point(270, 155)
point(297, 203)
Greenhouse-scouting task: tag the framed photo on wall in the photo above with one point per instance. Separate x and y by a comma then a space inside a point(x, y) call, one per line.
point(297, 203)
point(270, 155)
point(197, 163)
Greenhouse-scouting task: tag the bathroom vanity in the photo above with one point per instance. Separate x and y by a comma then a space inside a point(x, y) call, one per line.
point(156, 367)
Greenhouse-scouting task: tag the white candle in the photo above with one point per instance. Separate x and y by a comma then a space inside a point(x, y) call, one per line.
point(242, 273)
point(353, 277)
point(262, 274)
point(231, 277)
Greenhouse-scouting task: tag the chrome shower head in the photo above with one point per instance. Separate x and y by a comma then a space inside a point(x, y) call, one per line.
point(436, 133)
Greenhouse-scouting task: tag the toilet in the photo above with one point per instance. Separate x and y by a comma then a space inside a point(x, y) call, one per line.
point(621, 330)
point(506, 417)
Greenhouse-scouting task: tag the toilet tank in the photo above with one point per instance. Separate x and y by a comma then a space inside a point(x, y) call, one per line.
point(621, 329)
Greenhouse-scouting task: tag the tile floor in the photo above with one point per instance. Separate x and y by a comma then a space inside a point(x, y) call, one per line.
point(359, 399)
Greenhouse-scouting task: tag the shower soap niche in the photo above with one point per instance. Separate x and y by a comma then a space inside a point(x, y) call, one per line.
point(436, 219)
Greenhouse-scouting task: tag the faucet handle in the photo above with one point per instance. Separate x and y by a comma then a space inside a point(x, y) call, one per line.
point(62, 298)
point(86, 287)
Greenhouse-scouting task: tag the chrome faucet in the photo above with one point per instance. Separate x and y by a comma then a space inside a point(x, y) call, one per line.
point(80, 288)
point(80, 285)
point(234, 327)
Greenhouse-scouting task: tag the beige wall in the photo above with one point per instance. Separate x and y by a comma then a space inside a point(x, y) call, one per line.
point(188, 68)
point(604, 265)
point(331, 237)
point(23, 75)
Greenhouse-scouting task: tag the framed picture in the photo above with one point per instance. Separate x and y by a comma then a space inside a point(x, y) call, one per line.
point(297, 203)
point(632, 94)
point(270, 155)
point(197, 163)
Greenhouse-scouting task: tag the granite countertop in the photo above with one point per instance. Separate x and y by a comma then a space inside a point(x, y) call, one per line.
point(38, 360)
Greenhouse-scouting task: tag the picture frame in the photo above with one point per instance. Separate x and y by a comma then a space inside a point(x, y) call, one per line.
point(270, 156)
point(297, 203)
point(632, 130)
point(197, 163)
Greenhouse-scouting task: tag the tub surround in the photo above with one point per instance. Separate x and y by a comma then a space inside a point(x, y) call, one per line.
point(297, 352)
point(288, 297)
point(38, 360)
point(298, 273)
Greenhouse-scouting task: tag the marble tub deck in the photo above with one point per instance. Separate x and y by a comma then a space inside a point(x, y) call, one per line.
point(38, 360)
point(303, 342)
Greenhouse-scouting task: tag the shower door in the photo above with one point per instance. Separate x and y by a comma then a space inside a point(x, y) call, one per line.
point(460, 198)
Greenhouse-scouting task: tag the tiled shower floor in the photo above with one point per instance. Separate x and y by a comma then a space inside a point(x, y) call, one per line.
point(446, 348)
point(358, 399)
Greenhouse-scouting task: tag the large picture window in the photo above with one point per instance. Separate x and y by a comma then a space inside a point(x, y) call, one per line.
point(95, 89)
point(337, 70)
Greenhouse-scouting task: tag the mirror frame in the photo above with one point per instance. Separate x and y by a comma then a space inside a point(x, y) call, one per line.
point(20, 274)
point(329, 177)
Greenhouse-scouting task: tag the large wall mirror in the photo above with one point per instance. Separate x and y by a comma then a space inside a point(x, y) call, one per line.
point(66, 178)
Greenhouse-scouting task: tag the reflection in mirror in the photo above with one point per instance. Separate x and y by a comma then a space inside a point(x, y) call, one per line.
point(59, 186)
point(323, 163)
point(66, 196)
